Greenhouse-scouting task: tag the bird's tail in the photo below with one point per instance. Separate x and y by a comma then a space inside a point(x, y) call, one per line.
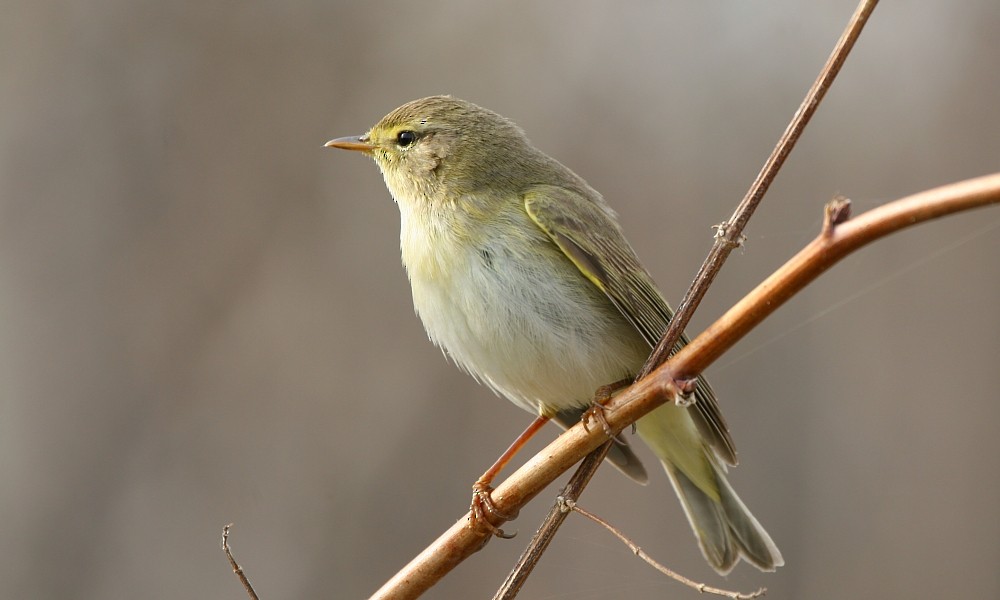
point(724, 527)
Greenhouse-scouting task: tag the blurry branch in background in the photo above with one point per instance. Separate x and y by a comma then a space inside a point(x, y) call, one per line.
point(729, 235)
point(838, 238)
point(236, 567)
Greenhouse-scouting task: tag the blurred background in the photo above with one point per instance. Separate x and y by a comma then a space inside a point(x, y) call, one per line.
point(204, 320)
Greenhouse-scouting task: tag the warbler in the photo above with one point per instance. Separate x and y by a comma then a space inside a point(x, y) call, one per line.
point(521, 273)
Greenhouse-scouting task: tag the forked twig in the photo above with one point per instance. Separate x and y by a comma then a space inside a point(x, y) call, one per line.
point(570, 506)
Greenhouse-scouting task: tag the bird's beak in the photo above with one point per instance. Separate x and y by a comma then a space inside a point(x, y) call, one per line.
point(358, 143)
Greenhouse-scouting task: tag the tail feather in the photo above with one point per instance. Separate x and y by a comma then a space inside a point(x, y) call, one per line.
point(724, 527)
point(753, 541)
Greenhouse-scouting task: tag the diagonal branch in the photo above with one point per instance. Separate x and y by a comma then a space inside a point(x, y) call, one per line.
point(729, 235)
point(837, 240)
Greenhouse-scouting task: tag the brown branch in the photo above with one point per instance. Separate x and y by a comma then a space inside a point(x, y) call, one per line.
point(834, 243)
point(236, 567)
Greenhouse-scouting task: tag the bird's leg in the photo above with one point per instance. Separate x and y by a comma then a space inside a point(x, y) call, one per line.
point(482, 503)
point(597, 406)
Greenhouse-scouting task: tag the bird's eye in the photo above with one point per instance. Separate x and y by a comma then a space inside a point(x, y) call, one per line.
point(405, 138)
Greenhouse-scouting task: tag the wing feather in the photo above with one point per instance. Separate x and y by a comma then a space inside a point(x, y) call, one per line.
point(586, 231)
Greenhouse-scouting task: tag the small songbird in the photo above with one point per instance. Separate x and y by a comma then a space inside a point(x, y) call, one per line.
point(521, 273)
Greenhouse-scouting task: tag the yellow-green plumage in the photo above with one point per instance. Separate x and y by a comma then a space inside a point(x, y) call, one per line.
point(520, 271)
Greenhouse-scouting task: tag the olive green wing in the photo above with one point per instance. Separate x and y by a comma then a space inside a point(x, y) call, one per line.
point(588, 234)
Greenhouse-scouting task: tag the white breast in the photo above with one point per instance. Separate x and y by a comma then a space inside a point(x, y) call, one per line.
point(515, 313)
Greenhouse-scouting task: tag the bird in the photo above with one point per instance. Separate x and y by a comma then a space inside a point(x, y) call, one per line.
point(521, 273)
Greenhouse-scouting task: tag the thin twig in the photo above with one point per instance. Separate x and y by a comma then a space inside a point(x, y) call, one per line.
point(570, 506)
point(729, 235)
point(836, 241)
point(547, 530)
point(236, 568)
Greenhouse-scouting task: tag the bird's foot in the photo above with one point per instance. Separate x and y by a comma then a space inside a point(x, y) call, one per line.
point(482, 508)
point(599, 405)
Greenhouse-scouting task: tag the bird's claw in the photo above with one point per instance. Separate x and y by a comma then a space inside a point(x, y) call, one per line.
point(596, 413)
point(482, 506)
point(599, 405)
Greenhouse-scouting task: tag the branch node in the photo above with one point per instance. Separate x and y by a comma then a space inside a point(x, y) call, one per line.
point(836, 212)
point(685, 391)
point(723, 235)
point(236, 567)
point(565, 504)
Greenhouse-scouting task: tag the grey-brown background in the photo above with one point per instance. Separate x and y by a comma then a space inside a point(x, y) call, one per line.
point(203, 318)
